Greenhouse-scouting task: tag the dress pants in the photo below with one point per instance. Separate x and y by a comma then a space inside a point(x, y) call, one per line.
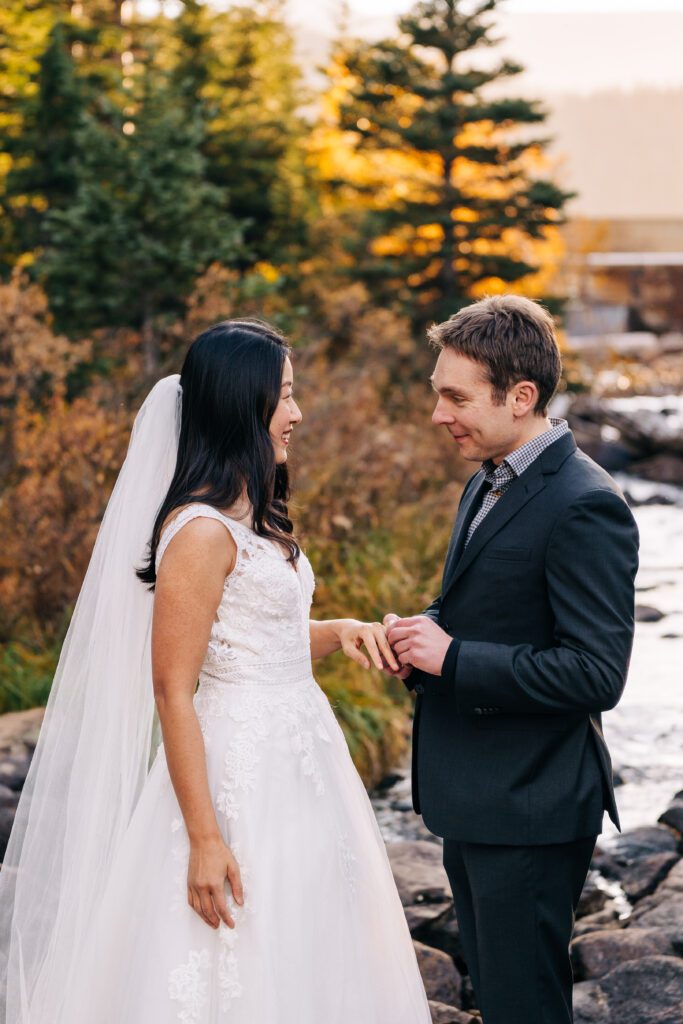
point(515, 907)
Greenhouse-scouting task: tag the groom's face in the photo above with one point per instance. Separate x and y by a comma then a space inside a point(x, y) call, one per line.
point(465, 407)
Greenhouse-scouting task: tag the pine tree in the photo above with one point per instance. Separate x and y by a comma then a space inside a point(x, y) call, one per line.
point(254, 143)
point(144, 223)
point(43, 155)
point(464, 197)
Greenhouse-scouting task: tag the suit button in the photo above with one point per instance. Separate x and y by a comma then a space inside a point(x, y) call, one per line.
point(419, 688)
point(479, 711)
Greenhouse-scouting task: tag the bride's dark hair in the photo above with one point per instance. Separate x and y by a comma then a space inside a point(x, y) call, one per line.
point(231, 381)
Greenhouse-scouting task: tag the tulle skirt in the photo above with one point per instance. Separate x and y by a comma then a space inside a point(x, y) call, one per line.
point(321, 937)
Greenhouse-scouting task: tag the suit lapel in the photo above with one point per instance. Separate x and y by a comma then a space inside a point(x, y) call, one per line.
point(465, 514)
point(520, 491)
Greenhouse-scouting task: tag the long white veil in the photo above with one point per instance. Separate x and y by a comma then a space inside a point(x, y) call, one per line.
point(95, 743)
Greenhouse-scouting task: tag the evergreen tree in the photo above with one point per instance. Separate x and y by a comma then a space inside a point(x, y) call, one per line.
point(43, 155)
point(240, 64)
point(143, 225)
point(466, 189)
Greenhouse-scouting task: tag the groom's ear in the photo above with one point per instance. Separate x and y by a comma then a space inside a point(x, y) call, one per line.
point(523, 397)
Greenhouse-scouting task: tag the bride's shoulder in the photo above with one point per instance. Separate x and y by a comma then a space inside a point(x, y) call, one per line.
point(199, 527)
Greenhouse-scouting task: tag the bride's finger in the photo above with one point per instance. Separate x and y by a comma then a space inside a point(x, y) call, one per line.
point(219, 902)
point(370, 641)
point(235, 880)
point(385, 647)
point(208, 912)
point(351, 651)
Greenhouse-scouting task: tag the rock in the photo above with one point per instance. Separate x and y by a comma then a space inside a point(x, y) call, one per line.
point(419, 872)
point(643, 876)
point(641, 842)
point(388, 781)
point(673, 883)
point(402, 805)
point(646, 613)
point(605, 863)
point(19, 729)
point(592, 899)
point(441, 932)
point(667, 911)
point(441, 978)
point(442, 1014)
point(673, 816)
point(13, 771)
point(590, 1004)
point(421, 916)
point(8, 797)
point(602, 920)
point(596, 954)
point(6, 822)
point(645, 991)
point(664, 468)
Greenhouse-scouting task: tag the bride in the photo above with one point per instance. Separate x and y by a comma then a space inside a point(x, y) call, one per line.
point(230, 870)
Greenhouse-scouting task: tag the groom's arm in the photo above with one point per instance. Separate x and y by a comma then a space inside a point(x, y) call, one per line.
point(591, 562)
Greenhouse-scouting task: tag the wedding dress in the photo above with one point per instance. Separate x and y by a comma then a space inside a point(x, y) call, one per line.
point(321, 937)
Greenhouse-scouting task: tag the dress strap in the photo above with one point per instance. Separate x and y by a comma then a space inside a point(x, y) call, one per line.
point(198, 511)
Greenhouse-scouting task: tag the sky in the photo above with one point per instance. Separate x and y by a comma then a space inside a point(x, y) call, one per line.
point(576, 46)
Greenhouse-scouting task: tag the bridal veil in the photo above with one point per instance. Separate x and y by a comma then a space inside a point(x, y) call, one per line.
point(95, 743)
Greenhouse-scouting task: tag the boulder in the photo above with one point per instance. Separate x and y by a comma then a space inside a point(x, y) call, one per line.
point(673, 815)
point(421, 917)
point(13, 771)
point(590, 1004)
point(646, 613)
point(442, 1014)
point(442, 980)
point(8, 797)
point(665, 468)
point(6, 822)
point(642, 877)
point(592, 899)
point(419, 872)
point(601, 921)
point(645, 991)
point(641, 842)
point(597, 953)
point(605, 863)
point(441, 932)
point(673, 883)
point(661, 911)
point(19, 730)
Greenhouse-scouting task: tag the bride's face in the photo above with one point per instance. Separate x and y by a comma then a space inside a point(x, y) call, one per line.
point(286, 415)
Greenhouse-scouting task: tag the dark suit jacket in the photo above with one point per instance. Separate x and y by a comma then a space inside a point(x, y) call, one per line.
point(507, 742)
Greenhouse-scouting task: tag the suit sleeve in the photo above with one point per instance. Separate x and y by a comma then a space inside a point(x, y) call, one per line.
point(591, 562)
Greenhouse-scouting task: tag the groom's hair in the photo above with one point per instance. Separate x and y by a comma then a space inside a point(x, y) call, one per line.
point(512, 337)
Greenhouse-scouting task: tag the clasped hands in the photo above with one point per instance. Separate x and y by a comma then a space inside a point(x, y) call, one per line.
point(397, 645)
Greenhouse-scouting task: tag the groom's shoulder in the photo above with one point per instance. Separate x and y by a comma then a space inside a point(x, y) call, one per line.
point(580, 476)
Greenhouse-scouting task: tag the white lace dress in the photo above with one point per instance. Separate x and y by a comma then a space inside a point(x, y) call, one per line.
point(321, 938)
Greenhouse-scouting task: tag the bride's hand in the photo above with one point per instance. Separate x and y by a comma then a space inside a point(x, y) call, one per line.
point(354, 634)
point(211, 862)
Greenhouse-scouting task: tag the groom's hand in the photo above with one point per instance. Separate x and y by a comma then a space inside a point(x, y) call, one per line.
point(419, 642)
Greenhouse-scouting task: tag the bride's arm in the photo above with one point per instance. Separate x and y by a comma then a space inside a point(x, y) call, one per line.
point(188, 591)
point(350, 635)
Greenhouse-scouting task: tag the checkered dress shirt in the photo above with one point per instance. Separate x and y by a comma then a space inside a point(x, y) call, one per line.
point(500, 477)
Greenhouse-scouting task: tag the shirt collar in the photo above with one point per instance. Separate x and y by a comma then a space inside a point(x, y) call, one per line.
point(521, 458)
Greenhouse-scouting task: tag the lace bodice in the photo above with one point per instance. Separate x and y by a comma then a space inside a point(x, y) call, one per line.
point(261, 629)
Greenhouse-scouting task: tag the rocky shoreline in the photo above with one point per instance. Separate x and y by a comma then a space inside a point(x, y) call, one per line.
point(627, 949)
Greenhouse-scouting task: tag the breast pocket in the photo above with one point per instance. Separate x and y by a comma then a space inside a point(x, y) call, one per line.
point(511, 553)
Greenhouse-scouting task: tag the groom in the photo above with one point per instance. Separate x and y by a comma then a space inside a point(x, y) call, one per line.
point(528, 642)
